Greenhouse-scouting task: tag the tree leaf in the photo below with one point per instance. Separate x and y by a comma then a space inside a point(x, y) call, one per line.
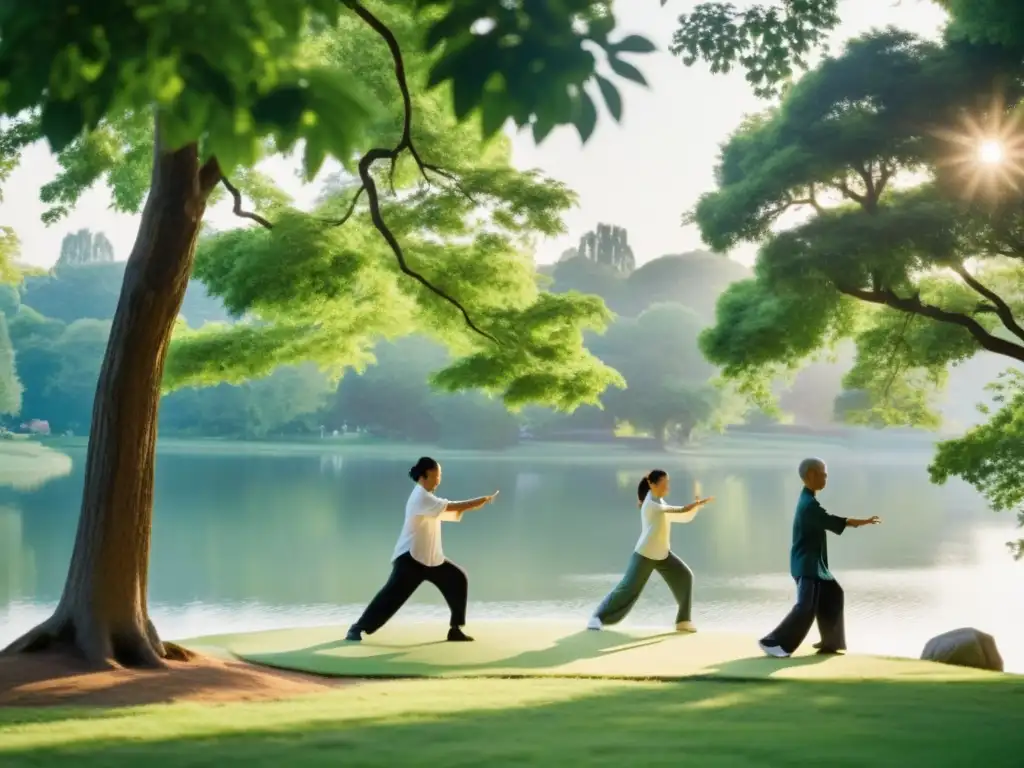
point(612, 97)
point(493, 114)
point(626, 70)
point(283, 106)
point(634, 44)
point(61, 122)
point(586, 117)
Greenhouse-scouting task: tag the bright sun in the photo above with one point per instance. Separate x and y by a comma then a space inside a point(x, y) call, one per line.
point(991, 152)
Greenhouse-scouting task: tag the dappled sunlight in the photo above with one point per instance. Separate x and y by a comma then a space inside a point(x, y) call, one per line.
point(746, 695)
point(549, 723)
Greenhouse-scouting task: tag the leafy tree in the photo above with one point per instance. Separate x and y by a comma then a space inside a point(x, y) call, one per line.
point(471, 420)
point(668, 387)
point(139, 94)
point(920, 274)
point(288, 401)
point(10, 248)
point(84, 247)
point(76, 292)
point(10, 299)
point(72, 364)
point(10, 386)
point(392, 397)
point(768, 42)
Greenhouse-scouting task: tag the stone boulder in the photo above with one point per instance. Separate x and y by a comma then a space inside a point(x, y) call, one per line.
point(965, 647)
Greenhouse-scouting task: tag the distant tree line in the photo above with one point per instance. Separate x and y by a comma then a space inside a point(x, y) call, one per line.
point(54, 329)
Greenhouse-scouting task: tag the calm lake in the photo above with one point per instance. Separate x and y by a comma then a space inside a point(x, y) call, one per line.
point(253, 538)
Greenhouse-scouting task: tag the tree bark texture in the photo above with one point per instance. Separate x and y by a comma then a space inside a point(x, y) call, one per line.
point(103, 611)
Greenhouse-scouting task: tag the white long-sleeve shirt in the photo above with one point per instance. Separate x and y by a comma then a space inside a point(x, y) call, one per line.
point(656, 518)
point(421, 533)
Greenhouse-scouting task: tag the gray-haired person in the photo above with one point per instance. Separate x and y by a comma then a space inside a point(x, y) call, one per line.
point(818, 595)
point(653, 553)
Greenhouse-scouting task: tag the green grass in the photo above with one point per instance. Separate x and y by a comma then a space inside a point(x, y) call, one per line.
point(535, 649)
point(556, 723)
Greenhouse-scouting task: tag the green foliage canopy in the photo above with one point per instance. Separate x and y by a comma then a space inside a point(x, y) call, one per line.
point(415, 86)
point(668, 382)
point(901, 239)
point(10, 385)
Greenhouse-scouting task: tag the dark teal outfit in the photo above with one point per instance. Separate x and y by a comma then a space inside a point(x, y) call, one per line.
point(818, 595)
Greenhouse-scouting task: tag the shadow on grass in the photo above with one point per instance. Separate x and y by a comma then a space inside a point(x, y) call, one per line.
point(575, 647)
point(562, 723)
point(580, 646)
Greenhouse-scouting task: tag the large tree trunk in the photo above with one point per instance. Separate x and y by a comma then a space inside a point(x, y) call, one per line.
point(103, 611)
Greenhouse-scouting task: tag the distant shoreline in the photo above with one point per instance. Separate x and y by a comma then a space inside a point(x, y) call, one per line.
point(26, 464)
point(751, 448)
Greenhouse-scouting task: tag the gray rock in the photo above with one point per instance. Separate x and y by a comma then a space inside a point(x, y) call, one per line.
point(965, 647)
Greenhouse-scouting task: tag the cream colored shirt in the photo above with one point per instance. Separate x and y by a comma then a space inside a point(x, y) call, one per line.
point(656, 517)
point(421, 533)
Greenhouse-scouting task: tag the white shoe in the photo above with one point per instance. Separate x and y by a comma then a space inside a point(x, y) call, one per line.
point(595, 624)
point(686, 626)
point(773, 650)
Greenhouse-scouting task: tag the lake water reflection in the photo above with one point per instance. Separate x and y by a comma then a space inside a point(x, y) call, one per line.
point(257, 540)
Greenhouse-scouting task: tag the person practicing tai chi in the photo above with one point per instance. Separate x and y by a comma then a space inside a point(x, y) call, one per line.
point(818, 595)
point(418, 556)
point(653, 553)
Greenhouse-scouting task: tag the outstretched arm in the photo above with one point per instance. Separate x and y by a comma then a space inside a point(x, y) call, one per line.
point(687, 513)
point(857, 522)
point(454, 509)
point(837, 524)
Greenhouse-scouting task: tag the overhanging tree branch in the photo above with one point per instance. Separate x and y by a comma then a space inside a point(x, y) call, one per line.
point(237, 207)
point(1002, 309)
point(848, 192)
point(351, 207)
point(405, 143)
point(915, 306)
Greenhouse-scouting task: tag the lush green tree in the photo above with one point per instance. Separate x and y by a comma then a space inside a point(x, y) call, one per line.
point(70, 387)
point(668, 382)
point(10, 299)
point(768, 42)
point(10, 385)
point(392, 397)
point(471, 420)
point(10, 247)
point(139, 94)
point(909, 244)
point(78, 291)
point(289, 401)
point(84, 247)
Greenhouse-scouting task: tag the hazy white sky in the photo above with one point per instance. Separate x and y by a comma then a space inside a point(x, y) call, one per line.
point(641, 174)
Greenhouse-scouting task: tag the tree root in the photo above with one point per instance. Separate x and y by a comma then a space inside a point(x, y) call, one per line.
point(99, 646)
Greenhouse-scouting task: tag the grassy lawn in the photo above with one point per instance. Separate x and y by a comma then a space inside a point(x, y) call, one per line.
point(547, 723)
point(505, 649)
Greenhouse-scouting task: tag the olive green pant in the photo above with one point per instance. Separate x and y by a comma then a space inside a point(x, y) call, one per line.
point(675, 572)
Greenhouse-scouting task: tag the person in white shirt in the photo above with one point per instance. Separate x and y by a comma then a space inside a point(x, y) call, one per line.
point(653, 553)
point(418, 556)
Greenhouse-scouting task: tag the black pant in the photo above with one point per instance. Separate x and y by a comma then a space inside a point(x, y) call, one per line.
point(816, 599)
point(407, 574)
